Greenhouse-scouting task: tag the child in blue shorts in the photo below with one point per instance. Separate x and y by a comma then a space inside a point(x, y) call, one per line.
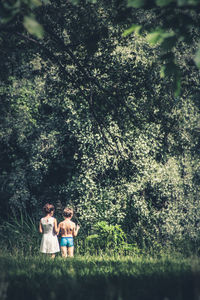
point(68, 231)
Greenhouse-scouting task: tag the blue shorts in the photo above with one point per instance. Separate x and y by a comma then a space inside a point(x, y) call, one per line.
point(67, 242)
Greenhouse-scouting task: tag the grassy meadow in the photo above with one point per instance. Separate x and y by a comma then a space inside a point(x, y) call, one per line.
point(99, 277)
point(91, 274)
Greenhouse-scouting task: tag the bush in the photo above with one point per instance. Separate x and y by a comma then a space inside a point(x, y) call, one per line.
point(107, 237)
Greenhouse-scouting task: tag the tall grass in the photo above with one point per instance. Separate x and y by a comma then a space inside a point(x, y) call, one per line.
point(20, 235)
point(105, 278)
point(105, 275)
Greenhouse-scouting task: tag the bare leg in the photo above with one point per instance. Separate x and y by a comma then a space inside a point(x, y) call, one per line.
point(53, 255)
point(70, 251)
point(64, 251)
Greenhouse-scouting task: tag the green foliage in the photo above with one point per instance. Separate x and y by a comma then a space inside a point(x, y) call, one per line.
point(134, 28)
point(197, 58)
point(177, 25)
point(136, 3)
point(99, 277)
point(158, 37)
point(87, 121)
point(164, 2)
point(181, 23)
point(33, 27)
point(20, 235)
point(107, 237)
point(10, 10)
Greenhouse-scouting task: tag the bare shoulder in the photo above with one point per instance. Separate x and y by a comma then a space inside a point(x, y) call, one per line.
point(73, 224)
point(61, 223)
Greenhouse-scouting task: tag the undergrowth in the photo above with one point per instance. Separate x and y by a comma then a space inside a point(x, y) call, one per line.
point(19, 235)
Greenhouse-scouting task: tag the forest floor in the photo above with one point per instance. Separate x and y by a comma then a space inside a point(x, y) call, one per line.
point(93, 278)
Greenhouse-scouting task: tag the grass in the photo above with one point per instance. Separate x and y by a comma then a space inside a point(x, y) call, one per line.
point(93, 278)
point(26, 274)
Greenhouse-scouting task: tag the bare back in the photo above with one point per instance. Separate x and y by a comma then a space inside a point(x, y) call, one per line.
point(67, 228)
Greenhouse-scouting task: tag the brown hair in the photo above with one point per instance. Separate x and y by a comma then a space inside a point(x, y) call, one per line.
point(68, 212)
point(48, 208)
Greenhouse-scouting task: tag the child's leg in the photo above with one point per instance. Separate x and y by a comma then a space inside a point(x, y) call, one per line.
point(53, 255)
point(70, 251)
point(64, 251)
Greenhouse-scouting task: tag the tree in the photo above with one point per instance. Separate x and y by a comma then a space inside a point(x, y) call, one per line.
point(88, 122)
point(168, 24)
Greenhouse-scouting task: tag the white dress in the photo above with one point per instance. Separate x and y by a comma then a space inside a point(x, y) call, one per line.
point(49, 242)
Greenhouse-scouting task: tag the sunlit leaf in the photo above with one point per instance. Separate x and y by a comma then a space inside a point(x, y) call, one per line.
point(171, 69)
point(163, 2)
point(187, 2)
point(12, 6)
point(33, 27)
point(36, 3)
point(182, 2)
point(197, 58)
point(92, 1)
point(177, 86)
point(154, 37)
point(75, 2)
point(134, 28)
point(136, 3)
point(162, 71)
point(158, 36)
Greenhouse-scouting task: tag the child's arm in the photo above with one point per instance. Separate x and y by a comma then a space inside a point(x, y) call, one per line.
point(58, 229)
point(56, 226)
point(40, 227)
point(75, 230)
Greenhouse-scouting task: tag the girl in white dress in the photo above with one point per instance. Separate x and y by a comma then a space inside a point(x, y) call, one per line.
point(48, 227)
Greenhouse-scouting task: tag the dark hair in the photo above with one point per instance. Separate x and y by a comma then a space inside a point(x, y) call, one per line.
point(68, 212)
point(48, 208)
